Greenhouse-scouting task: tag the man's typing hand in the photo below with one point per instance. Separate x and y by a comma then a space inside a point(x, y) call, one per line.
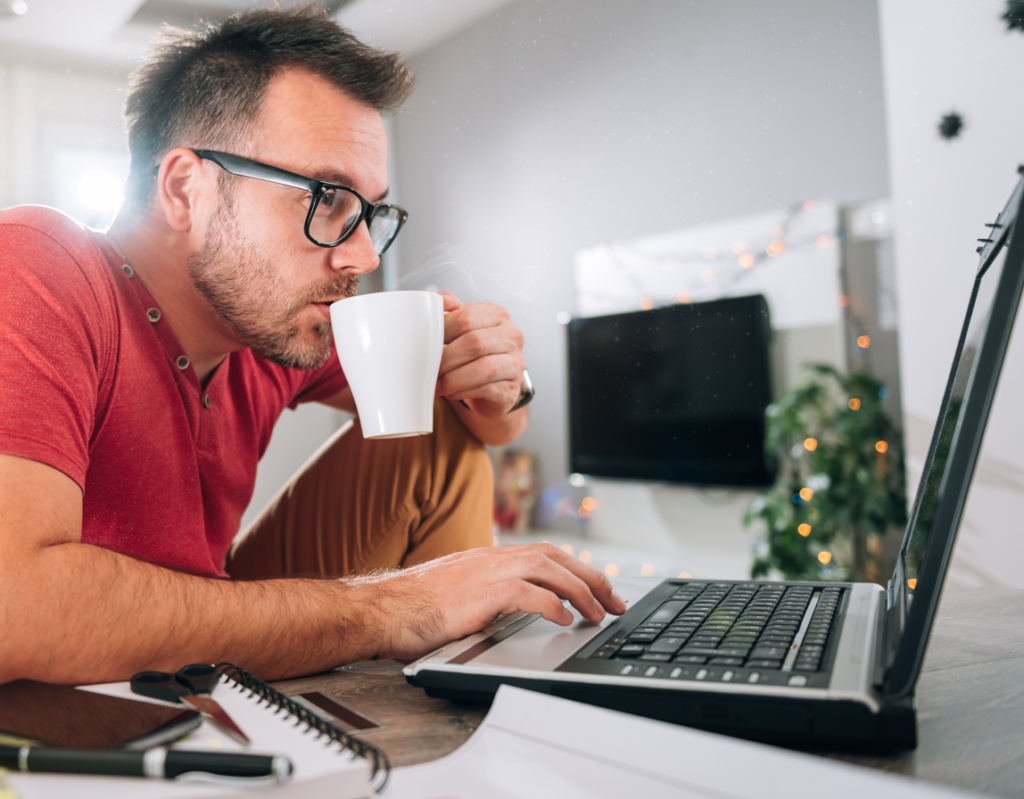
point(426, 606)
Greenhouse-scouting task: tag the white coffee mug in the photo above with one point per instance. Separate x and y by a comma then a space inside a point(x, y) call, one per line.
point(389, 345)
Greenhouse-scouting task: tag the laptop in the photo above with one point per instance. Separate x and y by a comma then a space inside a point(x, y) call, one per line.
point(818, 664)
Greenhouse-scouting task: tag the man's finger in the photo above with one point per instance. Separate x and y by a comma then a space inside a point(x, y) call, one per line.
point(599, 585)
point(451, 302)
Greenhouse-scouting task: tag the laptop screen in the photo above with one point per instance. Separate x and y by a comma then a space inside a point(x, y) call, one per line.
point(956, 441)
point(923, 521)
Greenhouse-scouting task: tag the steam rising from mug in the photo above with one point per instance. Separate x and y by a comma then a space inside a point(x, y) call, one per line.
point(389, 345)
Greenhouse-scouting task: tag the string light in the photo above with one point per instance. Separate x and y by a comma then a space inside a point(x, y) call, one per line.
point(647, 303)
point(738, 247)
point(684, 575)
point(585, 556)
point(567, 549)
point(823, 241)
point(589, 503)
point(647, 570)
point(804, 529)
point(775, 248)
point(683, 297)
point(882, 446)
point(810, 444)
point(824, 557)
point(747, 260)
point(809, 205)
point(854, 404)
point(583, 512)
point(863, 342)
point(611, 570)
point(841, 301)
point(806, 494)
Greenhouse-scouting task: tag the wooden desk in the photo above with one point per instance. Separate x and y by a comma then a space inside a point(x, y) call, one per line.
point(970, 701)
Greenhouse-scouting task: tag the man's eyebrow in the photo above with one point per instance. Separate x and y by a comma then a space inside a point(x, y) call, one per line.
point(334, 176)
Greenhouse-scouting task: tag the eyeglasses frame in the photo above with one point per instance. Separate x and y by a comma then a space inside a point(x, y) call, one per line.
point(247, 168)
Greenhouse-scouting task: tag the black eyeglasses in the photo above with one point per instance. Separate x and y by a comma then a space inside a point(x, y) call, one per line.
point(335, 210)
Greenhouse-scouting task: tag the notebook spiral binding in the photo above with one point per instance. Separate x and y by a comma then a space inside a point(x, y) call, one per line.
point(378, 760)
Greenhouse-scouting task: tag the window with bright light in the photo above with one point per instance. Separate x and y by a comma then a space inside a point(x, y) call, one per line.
point(90, 184)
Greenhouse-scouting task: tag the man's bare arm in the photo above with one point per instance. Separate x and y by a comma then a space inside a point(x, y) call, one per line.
point(75, 613)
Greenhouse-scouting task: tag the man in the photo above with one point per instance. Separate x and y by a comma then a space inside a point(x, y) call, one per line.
point(141, 372)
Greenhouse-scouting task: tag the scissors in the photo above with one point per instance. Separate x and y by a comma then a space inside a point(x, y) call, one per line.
point(191, 686)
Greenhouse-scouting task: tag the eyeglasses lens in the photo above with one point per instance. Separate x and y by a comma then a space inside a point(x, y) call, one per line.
point(337, 213)
point(384, 226)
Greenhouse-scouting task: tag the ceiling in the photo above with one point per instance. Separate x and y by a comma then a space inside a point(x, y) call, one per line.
point(114, 34)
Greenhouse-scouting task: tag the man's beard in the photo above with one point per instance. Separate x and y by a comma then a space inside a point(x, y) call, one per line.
point(249, 295)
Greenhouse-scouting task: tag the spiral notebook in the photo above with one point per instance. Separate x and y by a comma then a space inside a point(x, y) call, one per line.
point(327, 762)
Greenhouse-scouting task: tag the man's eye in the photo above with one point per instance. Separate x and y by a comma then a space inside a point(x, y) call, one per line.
point(329, 198)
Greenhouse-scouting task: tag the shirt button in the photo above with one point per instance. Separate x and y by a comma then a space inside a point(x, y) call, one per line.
point(154, 315)
point(128, 270)
point(207, 402)
point(182, 362)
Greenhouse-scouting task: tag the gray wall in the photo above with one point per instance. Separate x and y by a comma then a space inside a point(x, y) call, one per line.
point(554, 125)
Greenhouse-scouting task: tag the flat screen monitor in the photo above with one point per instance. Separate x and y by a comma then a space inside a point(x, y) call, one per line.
point(675, 394)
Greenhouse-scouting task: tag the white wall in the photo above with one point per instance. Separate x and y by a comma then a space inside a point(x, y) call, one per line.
point(49, 113)
point(553, 126)
point(940, 57)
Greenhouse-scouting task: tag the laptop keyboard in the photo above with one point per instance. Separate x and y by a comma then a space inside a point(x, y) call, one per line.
point(745, 625)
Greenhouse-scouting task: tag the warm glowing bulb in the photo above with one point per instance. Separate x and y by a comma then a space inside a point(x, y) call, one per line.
point(806, 494)
point(646, 303)
point(804, 529)
point(611, 570)
point(567, 549)
point(912, 582)
point(882, 446)
point(647, 570)
point(863, 342)
point(684, 575)
point(589, 503)
point(775, 248)
point(824, 557)
point(746, 260)
point(683, 297)
point(738, 247)
point(854, 404)
point(823, 241)
point(809, 205)
point(810, 444)
point(585, 556)
point(583, 512)
point(842, 301)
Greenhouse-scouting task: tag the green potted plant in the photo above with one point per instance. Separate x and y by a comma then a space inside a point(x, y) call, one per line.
point(839, 483)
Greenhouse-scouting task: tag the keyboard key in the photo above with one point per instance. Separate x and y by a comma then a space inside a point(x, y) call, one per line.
point(661, 658)
point(725, 662)
point(694, 659)
point(666, 613)
point(766, 652)
point(632, 650)
point(798, 666)
point(665, 646)
point(764, 664)
point(642, 638)
point(605, 652)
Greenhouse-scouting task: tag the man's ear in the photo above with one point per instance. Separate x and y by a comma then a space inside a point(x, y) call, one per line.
point(180, 183)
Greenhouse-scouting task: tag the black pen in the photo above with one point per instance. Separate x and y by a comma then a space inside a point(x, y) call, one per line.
point(158, 763)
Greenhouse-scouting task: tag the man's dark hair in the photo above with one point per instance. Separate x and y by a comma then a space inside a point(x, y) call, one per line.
point(204, 88)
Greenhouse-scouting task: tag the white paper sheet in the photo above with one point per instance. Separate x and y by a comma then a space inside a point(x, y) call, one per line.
point(534, 746)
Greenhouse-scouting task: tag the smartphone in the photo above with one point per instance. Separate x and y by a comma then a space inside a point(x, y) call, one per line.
point(59, 715)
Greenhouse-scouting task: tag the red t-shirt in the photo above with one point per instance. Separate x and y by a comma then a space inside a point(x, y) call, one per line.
point(91, 385)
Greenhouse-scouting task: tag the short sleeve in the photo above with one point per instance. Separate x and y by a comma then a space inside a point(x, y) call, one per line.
point(54, 348)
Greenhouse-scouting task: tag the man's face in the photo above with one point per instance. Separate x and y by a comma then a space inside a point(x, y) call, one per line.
point(269, 285)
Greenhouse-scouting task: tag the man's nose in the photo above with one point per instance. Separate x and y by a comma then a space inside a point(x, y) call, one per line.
point(356, 255)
